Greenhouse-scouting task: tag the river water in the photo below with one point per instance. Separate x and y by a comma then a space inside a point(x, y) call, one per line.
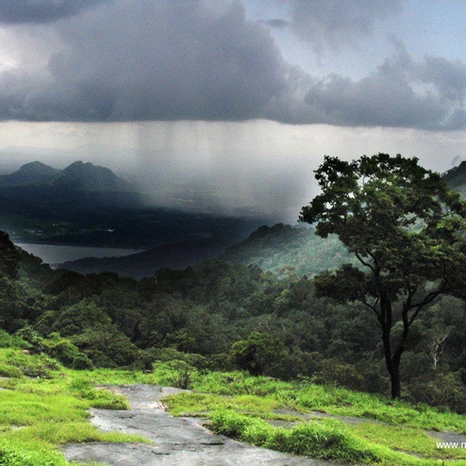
point(53, 254)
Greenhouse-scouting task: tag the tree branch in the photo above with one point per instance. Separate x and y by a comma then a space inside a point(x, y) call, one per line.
point(363, 262)
point(427, 299)
point(373, 307)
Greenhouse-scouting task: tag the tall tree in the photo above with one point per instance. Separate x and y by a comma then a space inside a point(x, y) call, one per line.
point(404, 226)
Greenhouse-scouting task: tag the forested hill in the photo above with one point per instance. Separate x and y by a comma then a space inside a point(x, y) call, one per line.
point(456, 178)
point(285, 249)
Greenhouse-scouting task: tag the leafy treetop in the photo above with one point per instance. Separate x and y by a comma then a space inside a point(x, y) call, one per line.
point(406, 229)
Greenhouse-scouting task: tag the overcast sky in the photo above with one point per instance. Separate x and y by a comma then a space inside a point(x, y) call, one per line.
point(231, 104)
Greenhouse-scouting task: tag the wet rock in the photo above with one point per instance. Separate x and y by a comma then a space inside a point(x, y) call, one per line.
point(179, 441)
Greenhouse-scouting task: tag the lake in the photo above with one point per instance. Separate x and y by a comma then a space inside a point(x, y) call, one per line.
point(53, 254)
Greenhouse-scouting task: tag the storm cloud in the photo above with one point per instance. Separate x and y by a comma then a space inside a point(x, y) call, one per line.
point(154, 61)
point(401, 93)
point(41, 11)
point(120, 60)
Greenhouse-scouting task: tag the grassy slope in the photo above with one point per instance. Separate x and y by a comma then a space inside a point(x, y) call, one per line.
point(39, 414)
point(42, 406)
point(242, 407)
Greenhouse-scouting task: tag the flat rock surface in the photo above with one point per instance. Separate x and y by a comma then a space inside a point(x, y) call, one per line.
point(179, 441)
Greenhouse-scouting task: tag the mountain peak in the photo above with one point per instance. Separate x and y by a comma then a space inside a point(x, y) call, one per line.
point(85, 176)
point(30, 173)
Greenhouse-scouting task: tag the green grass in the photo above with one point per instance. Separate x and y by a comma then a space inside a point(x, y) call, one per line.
point(12, 454)
point(39, 413)
point(413, 440)
point(327, 439)
point(201, 404)
point(305, 396)
point(394, 433)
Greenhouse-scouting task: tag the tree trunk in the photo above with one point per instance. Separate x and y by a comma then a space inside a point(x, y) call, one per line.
point(395, 380)
point(392, 362)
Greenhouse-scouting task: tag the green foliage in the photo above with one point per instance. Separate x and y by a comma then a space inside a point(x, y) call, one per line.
point(445, 390)
point(178, 373)
point(66, 352)
point(53, 411)
point(12, 341)
point(99, 398)
point(304, 395)
point(196, 315)
point(404, 226)
point(196, 404)
point(255, 353)
point(412, 440)
point(20, 455)
point(340, 373)
point(9, 257)
point(105, 346)
point(39, 414)
point(7, 370)
point(247, 418)
point(37, 365)
point(285, 251)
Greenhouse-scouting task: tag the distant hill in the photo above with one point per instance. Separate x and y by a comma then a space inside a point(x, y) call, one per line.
point(456, 178)
point(281, 249)
point(284, 249)
point(31, 173)
point(80, 185)
point(81, 176)
point(144, 264)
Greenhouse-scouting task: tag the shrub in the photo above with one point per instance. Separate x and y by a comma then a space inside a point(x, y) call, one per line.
point(172, 354)
point(444, 390)
point(6, 370)
point(257, 352)
point(178, 373)
point(66, 352)
point(340, 373)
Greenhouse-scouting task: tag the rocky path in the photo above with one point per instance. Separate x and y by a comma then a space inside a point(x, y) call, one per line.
point(177, 441)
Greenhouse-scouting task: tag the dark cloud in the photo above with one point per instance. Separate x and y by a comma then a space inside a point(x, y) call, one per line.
point(335, 23)
point(177, 60)
point(163, 60)
point(401, 93)
point(41, 11)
